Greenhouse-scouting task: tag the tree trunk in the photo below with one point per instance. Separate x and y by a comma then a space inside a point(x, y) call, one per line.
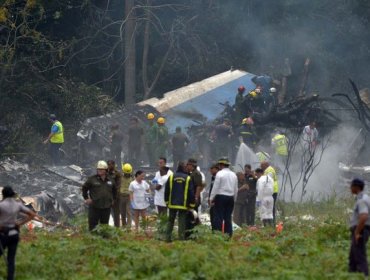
point(130, 53)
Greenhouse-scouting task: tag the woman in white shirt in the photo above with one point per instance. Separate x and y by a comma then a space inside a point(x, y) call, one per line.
point(138, 190)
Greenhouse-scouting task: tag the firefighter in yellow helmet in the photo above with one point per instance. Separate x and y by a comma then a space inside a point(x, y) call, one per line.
point(247, 132)
point(56, 139)
point(163, 139)
point(151, 140)
point(124, 195)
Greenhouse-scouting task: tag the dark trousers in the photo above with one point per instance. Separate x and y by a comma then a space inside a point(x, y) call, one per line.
point(240, 213)
point(10, 242)
point(177, 157)
point(357, 254)
point(274, 196)
point(115, 154)
point(251, 210)
point(162, 210)
point(212, 217)
point(152, 156)
point(182, 216)
point(223, 208)
point(115, 212)
point(134, 152)
point(125, 210)
point(98, 215)
point(55, 153)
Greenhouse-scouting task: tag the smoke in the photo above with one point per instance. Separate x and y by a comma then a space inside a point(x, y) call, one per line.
point(333, 34)
point(325, 180)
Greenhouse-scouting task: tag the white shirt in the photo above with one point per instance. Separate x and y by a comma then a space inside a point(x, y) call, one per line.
point(162, 180)
point(226, 183)
point(265, 187)
point(139, 191)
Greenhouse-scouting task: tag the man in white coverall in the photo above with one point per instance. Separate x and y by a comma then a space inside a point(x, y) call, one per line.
point(264, 197)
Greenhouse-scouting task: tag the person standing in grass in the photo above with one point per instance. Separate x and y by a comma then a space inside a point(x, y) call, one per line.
point(9, 226)
point(138, 189)
point(360, 229)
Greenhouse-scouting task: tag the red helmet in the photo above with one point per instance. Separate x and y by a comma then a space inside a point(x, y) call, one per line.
point(241, 89)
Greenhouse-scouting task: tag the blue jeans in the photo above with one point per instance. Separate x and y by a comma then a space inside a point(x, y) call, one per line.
point(10, 242)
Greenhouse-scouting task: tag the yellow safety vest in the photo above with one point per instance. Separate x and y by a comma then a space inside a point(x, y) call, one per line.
point(180, 180)
point(281, 147)
point(262, 156)
point(271, 170)
point(58, 137)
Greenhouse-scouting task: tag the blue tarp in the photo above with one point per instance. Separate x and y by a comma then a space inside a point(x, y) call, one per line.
point(208, 104)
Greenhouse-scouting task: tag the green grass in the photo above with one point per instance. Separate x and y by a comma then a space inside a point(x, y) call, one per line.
point(316, 249)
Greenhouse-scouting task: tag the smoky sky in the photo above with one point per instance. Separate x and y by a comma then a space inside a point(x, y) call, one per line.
point(333, 34)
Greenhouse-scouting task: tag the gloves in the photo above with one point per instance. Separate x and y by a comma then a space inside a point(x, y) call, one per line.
point(258, 203)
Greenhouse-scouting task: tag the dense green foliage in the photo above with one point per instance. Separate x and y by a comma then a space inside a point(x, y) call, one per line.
point(81, 44)
point(314, 249)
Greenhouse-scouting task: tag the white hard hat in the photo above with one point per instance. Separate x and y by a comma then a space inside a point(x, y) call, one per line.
point(102, 165)
point(272, 90)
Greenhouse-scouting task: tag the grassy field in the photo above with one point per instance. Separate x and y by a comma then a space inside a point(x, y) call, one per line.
point(305, 249)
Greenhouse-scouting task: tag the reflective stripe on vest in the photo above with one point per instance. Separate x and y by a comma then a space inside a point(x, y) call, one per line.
point(59, 136)
point(281, 145)
point(271, 170)
point(183, 207)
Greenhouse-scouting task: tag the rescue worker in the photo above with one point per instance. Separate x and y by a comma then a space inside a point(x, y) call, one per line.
point(159, 182)
point(10, 210)
point(255, 101)
point(280, 145)
point(151, 140)
point(135, 141)
point(99, 193)
point(197, 182)
point(263, 156)
point(223, 196)
point(247, 132)
point(310, 137)
point(269, 170)
point(124, 195)
point(115, 176)
point(213, 170)
point(239, 105)
point(264, 197)
point(56, 138)
point(251, 181)
point(179, 143)
point(163, 139)
point(360, 229)
point(179, 196)
point(240, 207)
point(116, 139)
point(223, 134)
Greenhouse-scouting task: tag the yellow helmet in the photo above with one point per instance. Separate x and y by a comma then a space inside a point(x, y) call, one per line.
point(102, 165)
point(253, 94)
point(161, 120)
point(244, 121)
point(150, 116)
point(127, 168)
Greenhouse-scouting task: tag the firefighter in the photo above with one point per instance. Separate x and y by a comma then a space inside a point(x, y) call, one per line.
point(99, 193)
point(115, 176)
point(124, 195)
point(247, 132)
point(179, 143)
point(239, 105)
point(179, 197)
point(56, 138)
point(280, 144)
point(162, 139)
point(151, 140)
